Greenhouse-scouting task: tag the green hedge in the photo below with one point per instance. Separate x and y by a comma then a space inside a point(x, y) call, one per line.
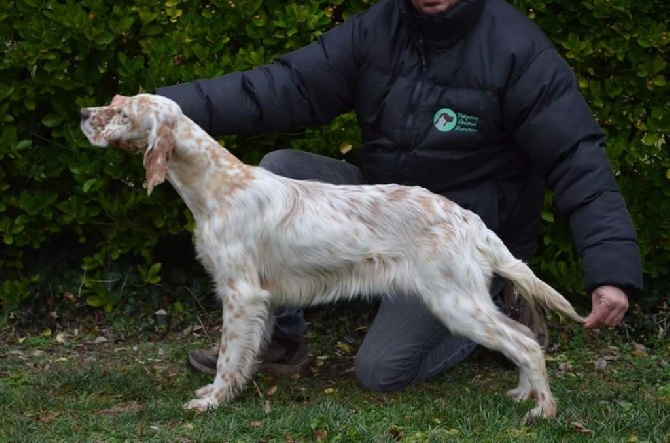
point(60, 198)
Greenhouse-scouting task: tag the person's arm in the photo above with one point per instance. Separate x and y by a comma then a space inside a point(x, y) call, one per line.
point(554, 127)
point(304, 88)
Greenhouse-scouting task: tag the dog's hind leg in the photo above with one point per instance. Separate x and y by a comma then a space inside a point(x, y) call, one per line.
point(245, 320)
point(476, 317)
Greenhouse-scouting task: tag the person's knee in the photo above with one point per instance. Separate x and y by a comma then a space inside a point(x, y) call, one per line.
point(380, 375)
point(278, 162)
point(291, 163)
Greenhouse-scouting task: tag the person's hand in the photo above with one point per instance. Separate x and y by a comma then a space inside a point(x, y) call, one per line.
point(118, 100)
point(609, 306)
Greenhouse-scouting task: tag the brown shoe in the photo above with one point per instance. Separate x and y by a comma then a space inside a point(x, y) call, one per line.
point(285, 356)
point(203, 360)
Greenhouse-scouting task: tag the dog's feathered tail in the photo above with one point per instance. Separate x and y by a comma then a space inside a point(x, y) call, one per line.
point(529, 286)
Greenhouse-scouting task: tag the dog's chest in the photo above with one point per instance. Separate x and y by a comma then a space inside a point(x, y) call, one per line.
point(220, 244)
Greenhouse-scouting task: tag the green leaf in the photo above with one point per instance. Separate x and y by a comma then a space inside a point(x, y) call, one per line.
point(146, 15)
point(548, 216)
point(178, 307)
point(53, 120)
point(23, 144)
point(34, 203)
point(153, 276)
point(104, 38)
point(249, 7)
point(658, 80)
point(88, 184)
point(8, 136)
point(98, 300)
point(155, 269)
point(651, 138)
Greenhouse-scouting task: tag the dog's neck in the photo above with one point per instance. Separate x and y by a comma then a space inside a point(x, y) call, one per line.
point(204, 173)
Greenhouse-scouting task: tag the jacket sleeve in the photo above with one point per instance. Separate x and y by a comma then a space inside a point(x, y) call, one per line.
point(304, 88)
point(556, 130)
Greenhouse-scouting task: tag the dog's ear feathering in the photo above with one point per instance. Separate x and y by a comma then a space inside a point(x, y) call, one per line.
point(157, 156)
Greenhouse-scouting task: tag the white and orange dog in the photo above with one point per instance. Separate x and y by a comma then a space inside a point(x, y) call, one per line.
point(269, 241)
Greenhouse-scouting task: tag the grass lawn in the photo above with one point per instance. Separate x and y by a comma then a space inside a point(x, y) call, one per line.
point(113, 387)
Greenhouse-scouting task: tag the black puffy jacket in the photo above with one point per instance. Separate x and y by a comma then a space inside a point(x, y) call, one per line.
point(475, 104)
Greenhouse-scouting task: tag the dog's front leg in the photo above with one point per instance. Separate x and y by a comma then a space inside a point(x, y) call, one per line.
point(245, 316)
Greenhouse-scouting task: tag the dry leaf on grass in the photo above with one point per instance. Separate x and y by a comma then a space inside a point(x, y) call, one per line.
point(601, 363)
point(565, 366)
point(192, 329)
point(343, 348)
point(639, 350)
point(395, 433)
point(46, 418)
point(320, 435)
point(581, 428)
point(120, 409)
point(61, 337)
point(70, 298)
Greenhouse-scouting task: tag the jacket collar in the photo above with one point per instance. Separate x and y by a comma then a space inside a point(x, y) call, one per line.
point(444, 29)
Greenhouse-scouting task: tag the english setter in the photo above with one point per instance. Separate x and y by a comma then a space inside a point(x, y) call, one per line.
point(269, 241)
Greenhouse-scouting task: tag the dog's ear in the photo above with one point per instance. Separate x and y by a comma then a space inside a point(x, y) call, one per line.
point(157, 156)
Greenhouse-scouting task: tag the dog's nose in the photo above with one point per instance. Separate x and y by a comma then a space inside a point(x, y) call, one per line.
point(85, 113)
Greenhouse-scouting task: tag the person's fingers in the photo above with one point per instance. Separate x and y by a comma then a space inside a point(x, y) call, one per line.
point(609, 306)
point(599, 313)
point(593, 322)
point(615, 317)
point(604, 315)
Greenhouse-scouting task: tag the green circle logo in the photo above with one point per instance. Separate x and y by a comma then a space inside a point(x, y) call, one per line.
point(445, 120)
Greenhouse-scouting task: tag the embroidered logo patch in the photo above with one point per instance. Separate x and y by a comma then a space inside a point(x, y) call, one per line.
point(446, 120)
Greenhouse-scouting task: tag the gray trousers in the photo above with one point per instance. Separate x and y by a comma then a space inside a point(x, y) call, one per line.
point(405, 344)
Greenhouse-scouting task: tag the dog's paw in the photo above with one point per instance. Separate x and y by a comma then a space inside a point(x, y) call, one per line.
point(201, 404)
point(543, 410)
point(205, 391)
point(519, 394)
point(537, 414)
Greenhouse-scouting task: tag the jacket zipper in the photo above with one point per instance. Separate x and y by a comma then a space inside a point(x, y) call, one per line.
point(406, 137)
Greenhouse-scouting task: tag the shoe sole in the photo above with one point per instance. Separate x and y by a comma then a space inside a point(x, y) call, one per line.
point(196, 366)
point(275, 369)
point(284, 370)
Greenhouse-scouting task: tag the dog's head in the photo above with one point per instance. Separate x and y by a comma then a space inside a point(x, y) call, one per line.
point(142, 123)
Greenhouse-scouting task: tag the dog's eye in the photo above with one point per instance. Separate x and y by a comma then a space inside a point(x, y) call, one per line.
point(123, 114)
